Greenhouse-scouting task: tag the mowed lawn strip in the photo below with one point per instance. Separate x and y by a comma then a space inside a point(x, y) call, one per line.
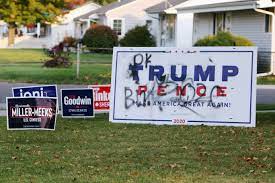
point(35, 73)
point(26, 65)
point(12, 56)
point(16, 61)
point(266, 107)
point(267, 80)
point(95, 150)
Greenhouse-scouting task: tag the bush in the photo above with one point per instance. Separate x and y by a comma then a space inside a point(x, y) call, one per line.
point(59, 58)
point(70, 42)
point(100, 36)
point(224, 39)
point(139, 36)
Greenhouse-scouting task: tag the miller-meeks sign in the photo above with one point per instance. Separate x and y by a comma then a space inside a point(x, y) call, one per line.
point(31, 113)
point(196, 86)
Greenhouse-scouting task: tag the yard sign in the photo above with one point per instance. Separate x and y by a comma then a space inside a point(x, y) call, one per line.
point(35, 91)
point(77, 103)
point(101, 97)
point(196, 86)
point(31, 113)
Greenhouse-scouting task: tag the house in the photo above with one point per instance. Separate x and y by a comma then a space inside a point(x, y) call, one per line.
point(121, 16)
point(253, 19)
point(166, 15)
point(3, 29)
point(47, 35)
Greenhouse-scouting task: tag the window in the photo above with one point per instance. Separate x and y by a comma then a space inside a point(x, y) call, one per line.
point(117, 27)
point(268, 23)
point(219, 22)
point(222, 22)
point(171, 26)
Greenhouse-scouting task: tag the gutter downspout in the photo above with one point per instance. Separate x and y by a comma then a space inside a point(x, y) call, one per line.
point(273, 36)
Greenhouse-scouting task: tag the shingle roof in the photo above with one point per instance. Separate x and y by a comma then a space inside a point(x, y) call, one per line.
point(203, 3)
point(105, 9)
point(161, 7)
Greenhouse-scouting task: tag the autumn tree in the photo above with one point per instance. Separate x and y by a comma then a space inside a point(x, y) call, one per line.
point(24, 12)
point(104, 2)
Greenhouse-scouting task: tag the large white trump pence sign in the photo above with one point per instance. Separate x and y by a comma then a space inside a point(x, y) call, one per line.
point(197, 86)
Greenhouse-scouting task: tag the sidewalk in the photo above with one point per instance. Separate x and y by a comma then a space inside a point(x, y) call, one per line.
point(265, 93)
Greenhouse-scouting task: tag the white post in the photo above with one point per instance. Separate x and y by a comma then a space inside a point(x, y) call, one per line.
point(272, 14)
point(78, 60)
point(38, 27)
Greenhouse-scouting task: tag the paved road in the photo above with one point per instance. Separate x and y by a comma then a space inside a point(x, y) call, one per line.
point(265, 93)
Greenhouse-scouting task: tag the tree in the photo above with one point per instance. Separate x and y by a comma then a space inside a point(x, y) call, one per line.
point(139, 36)
point(104, 2)
point(24, 12)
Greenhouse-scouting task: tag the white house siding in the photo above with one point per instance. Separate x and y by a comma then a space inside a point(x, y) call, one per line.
point(247, 23)
point(251, 25)
point(203, 26)
point(133, 14)
point(66, 27)
point(184, 30)
point(155, 28)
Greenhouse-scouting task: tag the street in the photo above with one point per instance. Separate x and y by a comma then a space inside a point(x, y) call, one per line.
point(265, 93)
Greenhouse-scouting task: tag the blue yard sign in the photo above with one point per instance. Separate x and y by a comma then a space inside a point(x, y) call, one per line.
point(31, 113)
point(35, 91)
point(77, 103)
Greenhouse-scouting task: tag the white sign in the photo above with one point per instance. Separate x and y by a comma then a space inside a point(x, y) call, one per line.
point(198, 86)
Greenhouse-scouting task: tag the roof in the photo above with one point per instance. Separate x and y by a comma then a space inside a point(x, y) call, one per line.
point(198, 4)
point(161, 7)
point(105, 9)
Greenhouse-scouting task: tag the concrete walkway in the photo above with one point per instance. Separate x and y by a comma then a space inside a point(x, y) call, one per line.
point(27, 42)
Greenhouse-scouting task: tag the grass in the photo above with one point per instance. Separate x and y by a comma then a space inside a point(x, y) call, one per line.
point(94, 58)
point(98, 151)
point(11, 56)
point(35, 73)
point(265, 107)
point(267, 80)
point(25, 65)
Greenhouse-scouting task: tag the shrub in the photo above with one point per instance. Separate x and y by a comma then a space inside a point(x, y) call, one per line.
point(100, 36)
point(59, 58)
point(139, 36)
point(70, 42)
point(224, 39)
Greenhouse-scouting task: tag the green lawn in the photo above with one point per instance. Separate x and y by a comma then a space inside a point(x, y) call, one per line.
point(265, 107)
point(22, 56)
point(25, 65)
point(95, 150)
point(35, 73)
point(267, 80)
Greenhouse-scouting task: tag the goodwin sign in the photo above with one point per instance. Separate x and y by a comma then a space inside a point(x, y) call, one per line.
point(77, 103)
point(210, 86)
